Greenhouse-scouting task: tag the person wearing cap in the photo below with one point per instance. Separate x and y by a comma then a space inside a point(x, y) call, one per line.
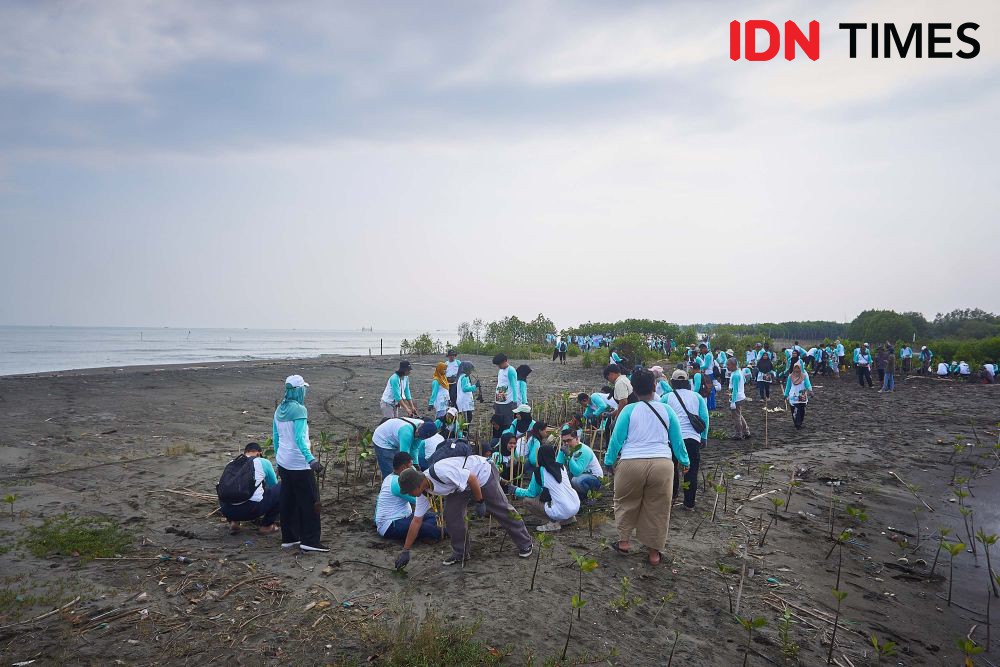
point(426, 440)
point(264, 504)
point(550, 495)
point(662, 386)
point(646, 438)
point(393, 514)
point(395, 435)
point(584, 469)
point(737, 394)
point(964, 370)
point(863, 364)
point(440, 393)
point(461, 480)
point(397, 393)
point(686, 403)
point(523, 371)
point(465, 400)
point(451, 373)
point(522, 422)
point(925, 360)
point(507, 396)
point(449, 426)
point(298, 499)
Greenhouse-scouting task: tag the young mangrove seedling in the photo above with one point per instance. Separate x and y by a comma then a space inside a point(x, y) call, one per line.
point(953, 549)
point(777, 502)
point(625, 599)
point(583, 564)
point(663, 601)
point(988, 541)
point(943, 533)
point(723, 571)
point(10, 499)
point(545, 541)
point(750, 624)
point(968, 648)
point(789, 648)
point(577, 604)
point(840, 595)
point(886, 648)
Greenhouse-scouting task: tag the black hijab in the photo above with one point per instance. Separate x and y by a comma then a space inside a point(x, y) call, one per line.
point(547, 461)
point(522, 371)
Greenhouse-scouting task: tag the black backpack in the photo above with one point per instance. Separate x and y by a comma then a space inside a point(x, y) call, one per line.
point(764, 364)
point(447, 450)
point(238, 482)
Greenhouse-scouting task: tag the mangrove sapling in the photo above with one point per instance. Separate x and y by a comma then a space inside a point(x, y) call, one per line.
point(545, 541)
point(777, 502)
point(833, 500)
point(792, 484)
point(10, 499)
point(593, 495)
point(625, 599)
point(840, 595)
point(718, 491)
point(743, 573)
point(577, 604)
point(673, 646)
point(839, 540)
point(943, 533)
point(953, 549)
point(789, 648)
point(916, 518)
point(968, 648)
point(723, 571)
point(987, 541)
point(584, 564)
point(663, 601)
point(750, 624)
point(886, 648)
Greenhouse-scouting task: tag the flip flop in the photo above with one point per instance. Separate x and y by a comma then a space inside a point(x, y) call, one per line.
point(623, 552)
point(659, 558)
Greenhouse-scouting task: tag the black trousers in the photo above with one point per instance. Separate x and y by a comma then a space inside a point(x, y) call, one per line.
point(864, 374)
point(691, 476)
point(453, 391)
point(798, 414)
point(764, 389)
point(299, 507)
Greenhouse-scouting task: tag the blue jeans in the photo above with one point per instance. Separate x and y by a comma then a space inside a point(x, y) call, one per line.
point(429, 530)
point(384, 458)
point(889, 383)
point(583, 483)
point(711, 399)
point(266, 509)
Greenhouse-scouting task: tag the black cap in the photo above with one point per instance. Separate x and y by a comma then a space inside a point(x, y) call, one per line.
point(451, 353)
point(405, 365)
point(499, 359)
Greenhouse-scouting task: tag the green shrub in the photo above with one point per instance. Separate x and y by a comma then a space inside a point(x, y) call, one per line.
point(573, 351)
point(432, 643)
point(421, 345)
point(83, 537)
point(588, 359)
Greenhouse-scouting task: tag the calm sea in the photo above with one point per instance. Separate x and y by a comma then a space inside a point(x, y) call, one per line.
point(41, 349)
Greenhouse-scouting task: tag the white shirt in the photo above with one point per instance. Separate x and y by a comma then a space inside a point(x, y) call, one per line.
point(454, 473)
point(386, 435)
point(404, 385)
point(452, 369)
point(289, 456)
point(942, 369)
point(963, 368)
point(389, 507)
point(431, 445)
point(692, 403)
point(623, 387)
point(465, 401)
point(647, 439)
point(565, 501)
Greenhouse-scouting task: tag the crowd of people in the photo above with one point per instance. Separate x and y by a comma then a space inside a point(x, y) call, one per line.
point(651, 425)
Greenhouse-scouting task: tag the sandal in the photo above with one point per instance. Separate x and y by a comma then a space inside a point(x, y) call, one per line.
point(616, 547)
point(659, 558)
point(234, 527)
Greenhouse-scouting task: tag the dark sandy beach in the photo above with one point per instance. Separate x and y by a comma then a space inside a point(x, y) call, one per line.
point(110, 442)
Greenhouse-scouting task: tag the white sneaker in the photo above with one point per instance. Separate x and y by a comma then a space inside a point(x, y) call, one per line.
point(289, 545)
point(550, 527)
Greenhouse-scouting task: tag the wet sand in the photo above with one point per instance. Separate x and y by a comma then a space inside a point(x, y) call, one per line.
point(109, 442)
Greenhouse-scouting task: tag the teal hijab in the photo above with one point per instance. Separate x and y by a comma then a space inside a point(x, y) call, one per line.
point(293, 406)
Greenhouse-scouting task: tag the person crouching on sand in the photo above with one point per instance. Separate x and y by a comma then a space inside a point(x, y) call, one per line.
point(550, 495)
point(645, 434)
point(263, 503)
point(393, 514)
point(397, 393)
point(460, 480)
point(299, 496)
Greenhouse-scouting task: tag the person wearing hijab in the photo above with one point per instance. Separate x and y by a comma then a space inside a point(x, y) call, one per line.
point(507, 396)
point(440, 393)
point(647, 436)
point(397, 393)
point(737, 394)
point(529, 445)
point(662, 386)
point(798, 389)
point(449, 426)
point(465, 395)
point(522, 382)
point(299, 497)
point(550, 495)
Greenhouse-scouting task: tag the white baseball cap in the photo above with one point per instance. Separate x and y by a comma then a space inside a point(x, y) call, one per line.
point(296, 381)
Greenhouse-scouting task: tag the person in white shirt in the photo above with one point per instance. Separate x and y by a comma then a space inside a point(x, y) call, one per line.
point(942, 370)
point(263, 502)
point(507, 396)
point(622, 386)
point(397, 393)
point(693, 405)
point(737, 394)
point(452, 374)
point(550, 495)
point(393, 513)
point(460, 480)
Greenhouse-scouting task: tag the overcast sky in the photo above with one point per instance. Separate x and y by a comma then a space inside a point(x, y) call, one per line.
point(413, 165)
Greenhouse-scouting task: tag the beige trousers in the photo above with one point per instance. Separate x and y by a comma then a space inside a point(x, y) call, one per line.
point(643, 494)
